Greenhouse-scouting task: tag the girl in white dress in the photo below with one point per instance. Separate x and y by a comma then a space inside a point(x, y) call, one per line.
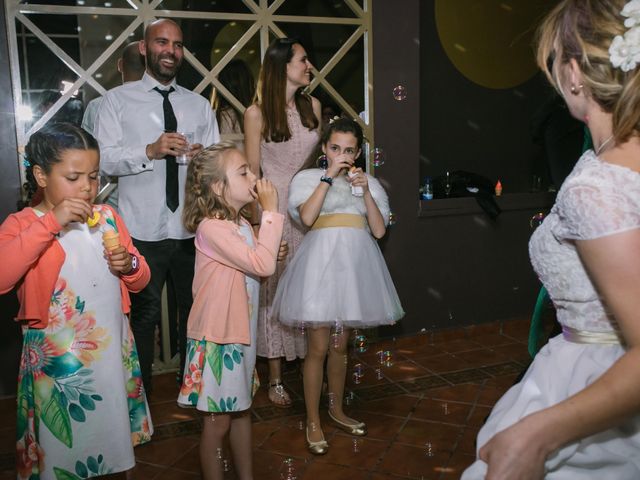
point(219, 375)
point(338, 279)
point(576, 412)
point(81, 403)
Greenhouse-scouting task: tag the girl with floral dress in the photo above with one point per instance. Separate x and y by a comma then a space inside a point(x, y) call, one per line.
point(219, 376)
point(81, 405)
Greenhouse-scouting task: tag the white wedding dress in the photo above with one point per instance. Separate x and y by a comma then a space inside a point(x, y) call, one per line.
point(597, 199)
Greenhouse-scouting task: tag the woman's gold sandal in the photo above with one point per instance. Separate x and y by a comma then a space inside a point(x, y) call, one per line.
point(359, 429)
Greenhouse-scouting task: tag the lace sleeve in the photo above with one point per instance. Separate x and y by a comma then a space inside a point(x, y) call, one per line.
point(597, 209)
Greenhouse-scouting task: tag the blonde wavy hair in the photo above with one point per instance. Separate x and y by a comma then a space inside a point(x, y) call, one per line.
point(583, 30)
point(200, 201)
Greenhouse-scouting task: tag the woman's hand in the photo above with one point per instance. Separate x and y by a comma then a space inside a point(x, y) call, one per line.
point(119, 260)
point(72, 210)
point(341, 162)
point(515, 453)
point(359, 179)
point(267, 195)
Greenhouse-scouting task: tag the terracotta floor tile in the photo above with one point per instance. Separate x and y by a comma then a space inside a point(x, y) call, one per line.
point(490, 340)
point(317, 470)
point(444, 363)
point(357, 452)
point(404, 370)
point(483, 357)
point(170, 412)
point(172, 474)
point(422, 415)
point(165, 452)
point(165, 388)
point(400, 406)
point(439, 436)
point(269, 466)
point(490, 394)
point(289, 441)
point(467, 442)
point(465, 393)
point(442, 411)
point(515, 351)
point(261, 431)
point(457, 464)
point(460, 345)
point(478, 416)
point(145, 471)
point(8, 439)
point(413, 462)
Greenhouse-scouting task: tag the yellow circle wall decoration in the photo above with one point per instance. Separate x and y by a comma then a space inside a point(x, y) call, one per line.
point(490, 42)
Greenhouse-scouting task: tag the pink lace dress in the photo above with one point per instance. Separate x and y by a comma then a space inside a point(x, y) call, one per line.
point(280, 161)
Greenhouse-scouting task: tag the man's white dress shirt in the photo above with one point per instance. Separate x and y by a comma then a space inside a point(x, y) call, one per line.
point(129, 118)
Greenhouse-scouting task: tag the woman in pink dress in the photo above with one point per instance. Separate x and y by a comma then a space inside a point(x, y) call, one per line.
point(281, 130)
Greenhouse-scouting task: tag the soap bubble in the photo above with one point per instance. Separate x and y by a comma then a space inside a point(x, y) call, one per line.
point(379, 157)
point(338, 330)
point(356, 445)
point(358, 373)
point(287, 470)
point(360, 343)
point(399, 93)
point(429, 449)
point(537, 220)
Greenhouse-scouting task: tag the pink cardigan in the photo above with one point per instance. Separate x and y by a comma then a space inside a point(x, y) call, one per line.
point(220, 311)
point(31, 260)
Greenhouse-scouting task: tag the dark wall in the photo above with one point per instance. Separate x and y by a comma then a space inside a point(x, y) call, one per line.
point(451, 264)
point(9, 195)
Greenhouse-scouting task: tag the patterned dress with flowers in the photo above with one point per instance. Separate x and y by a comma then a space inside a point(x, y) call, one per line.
point(220, 378)
point(81, 405)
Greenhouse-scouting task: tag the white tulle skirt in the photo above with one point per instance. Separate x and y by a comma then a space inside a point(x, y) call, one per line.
point(337, 275)
point(560, 370)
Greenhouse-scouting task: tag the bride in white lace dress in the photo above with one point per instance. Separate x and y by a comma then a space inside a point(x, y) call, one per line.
point(576, 412)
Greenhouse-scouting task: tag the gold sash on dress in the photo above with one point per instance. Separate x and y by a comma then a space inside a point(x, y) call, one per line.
point(584, 336)
point(339, 220)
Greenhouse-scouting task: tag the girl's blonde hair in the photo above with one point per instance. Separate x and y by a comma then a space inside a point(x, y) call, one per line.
point(583, 30)
point(200, 201)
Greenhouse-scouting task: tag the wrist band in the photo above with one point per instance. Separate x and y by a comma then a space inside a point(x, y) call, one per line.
point(326, 179)
point(135, 265)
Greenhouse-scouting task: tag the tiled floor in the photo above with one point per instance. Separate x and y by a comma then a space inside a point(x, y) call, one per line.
point(423, 411)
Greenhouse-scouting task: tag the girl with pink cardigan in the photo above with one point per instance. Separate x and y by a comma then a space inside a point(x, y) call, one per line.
point(219, 376)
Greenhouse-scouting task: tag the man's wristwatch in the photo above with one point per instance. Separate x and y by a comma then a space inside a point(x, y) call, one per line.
point(326, 179)
point(135, 264)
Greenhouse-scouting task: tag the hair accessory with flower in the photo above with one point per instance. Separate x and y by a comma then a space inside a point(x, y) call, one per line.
point(624, 51)
point(337, 117)
point(26, 163)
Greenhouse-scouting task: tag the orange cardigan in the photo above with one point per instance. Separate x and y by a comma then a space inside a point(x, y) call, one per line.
point(31, 259)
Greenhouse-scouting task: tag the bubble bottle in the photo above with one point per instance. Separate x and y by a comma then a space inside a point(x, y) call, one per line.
point(426, 192)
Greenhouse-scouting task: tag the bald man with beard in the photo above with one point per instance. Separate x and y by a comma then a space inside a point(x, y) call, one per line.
point(138, 129)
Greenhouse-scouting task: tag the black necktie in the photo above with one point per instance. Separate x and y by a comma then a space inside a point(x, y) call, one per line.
point(170, 125)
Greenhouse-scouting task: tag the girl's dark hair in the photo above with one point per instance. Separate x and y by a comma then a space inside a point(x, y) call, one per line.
point(46, 146)
point(270, 94)
point(342, 125)
point(238, 79)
